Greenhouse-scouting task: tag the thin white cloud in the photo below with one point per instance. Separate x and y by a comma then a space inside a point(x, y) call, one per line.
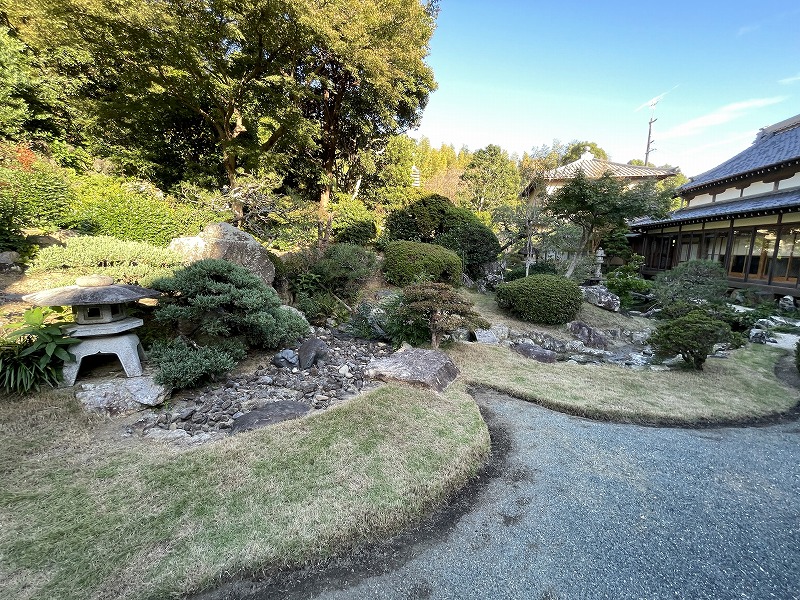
point(789, 80)
point(745, 29)
point(722, 115)
point(653, 101)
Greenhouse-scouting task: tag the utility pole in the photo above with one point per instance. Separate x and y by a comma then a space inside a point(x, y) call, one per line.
point(650, 139)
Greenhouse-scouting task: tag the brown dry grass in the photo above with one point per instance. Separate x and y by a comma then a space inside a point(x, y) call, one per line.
point(741, 388)
point(84, 516)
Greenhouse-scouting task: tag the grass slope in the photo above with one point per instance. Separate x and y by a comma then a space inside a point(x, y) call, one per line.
point(81, 517)
point(738, 389)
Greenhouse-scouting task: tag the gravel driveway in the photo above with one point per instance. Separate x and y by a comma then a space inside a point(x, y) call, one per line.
point(573, 508)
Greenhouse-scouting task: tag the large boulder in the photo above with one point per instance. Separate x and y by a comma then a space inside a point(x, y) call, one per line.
point(600, 296)
point(122, 396)
point(223, 240)
point(429, 368)
point(588, 335)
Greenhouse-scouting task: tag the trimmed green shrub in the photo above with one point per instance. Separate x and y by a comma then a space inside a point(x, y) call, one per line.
point(474, 243)
point(127, 262)
point(545, 299)
point(182, 365)
point(405, 262)
point(106, 205)
point(217, 299)
point(434, 219)
point(693, 281)
point(422, 220)
point(359, 232)
point(692, 336)
point(344, 267)
point(40, 196)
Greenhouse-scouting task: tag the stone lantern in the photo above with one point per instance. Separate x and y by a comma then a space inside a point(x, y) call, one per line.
point(101, 321)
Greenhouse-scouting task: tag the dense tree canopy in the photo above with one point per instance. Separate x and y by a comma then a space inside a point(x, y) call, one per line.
point(259, 82)
point(597, 206)
point(575, 149)
point(492, 179)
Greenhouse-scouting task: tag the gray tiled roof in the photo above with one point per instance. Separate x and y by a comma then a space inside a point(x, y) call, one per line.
point(774, 145)
point(768, 203)
point(594, 168)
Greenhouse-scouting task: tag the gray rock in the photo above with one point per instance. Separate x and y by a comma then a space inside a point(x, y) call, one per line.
point(501, 331)
point(641, 337)
point(310, 351)
point(122, 396)
point(765, 324)
point(269, 414)
point(758, 336)
point(588, 335)
point(600, 296)
point(535, 352)
point(486, 336)
point(430, 368)
point(9, 257)
point(286, 358)
point(786, 303)
point(222, 240)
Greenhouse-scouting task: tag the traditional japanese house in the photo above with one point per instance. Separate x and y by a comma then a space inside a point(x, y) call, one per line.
point(744, 213)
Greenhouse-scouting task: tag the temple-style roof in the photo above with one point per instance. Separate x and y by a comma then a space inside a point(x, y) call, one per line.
point(594, 168)
point(757, 205)
point(775, 147)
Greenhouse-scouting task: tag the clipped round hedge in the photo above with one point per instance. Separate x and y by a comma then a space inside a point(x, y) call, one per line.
point(406, 262)
point(544, 299)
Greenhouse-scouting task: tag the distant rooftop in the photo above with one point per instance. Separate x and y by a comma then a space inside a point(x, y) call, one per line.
point(774, 146)
point(594, 168)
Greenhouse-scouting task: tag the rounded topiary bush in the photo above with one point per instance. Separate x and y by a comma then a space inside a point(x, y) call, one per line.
point(406, 262)
point(474, 242)
point(545, 299)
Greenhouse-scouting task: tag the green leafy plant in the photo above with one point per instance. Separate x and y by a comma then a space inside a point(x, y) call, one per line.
point(626, 279)
point(111, 206)
point(545, 299)
point(405, 262)
point(692, 335)
point(127, 262)
point(694, 281)
point(33, 352)
point(182, 364)
point(440, 308)
point(213, 298)
point(474, 243)
point(539, 268)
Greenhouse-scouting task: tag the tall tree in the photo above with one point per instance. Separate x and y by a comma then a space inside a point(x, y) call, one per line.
point(311, 79)
point(576, 149)
point(597, 206)
point(492, 179)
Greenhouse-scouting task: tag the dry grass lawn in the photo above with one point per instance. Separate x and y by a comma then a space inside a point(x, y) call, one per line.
point(85, 516)
point(741, 388)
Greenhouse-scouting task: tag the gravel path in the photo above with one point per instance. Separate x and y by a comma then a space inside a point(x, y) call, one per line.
point(581, 509)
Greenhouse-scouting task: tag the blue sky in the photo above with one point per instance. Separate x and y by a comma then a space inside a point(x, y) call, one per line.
point(520, 74)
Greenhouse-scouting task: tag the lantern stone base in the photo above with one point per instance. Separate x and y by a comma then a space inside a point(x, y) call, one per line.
point(127, 348)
